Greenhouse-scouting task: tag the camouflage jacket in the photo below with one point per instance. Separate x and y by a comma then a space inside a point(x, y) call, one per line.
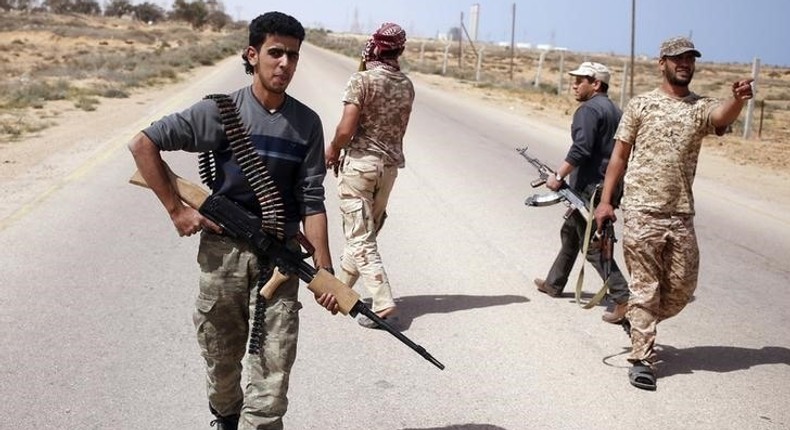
point(385, 100)
point(665, 135)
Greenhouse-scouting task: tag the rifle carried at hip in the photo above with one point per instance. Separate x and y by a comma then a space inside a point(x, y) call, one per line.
point(565, 193)
point(608, 240)
point(605, 240)
point(238, 222)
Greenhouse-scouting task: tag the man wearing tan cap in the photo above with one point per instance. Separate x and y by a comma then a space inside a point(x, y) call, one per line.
point(658, 144)
point(592, 131)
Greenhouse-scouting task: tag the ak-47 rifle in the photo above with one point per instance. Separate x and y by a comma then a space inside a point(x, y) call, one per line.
point(238, 222)
point(607, 239)
point(564, 193)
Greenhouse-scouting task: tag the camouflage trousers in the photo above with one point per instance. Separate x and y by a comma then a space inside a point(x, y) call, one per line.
point(663, 259)
point(227, 297)
point(364, 187)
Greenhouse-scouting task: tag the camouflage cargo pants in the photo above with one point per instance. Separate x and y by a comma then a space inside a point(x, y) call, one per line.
point(663, 259)
point(364, 188)
point(226, 300)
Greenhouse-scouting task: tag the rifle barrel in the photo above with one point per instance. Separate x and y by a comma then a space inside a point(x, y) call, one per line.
point(365, 310)
point(245, 225)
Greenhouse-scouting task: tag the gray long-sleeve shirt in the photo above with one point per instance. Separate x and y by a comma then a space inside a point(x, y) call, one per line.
point(592, 130)
point(290, 141)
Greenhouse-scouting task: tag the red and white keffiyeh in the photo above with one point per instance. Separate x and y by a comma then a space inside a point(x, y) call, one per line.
point(384, 46)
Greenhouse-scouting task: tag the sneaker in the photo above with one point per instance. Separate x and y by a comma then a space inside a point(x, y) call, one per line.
point(369, 323)
point(226, 423)
point(615, 313)
point(551, 290)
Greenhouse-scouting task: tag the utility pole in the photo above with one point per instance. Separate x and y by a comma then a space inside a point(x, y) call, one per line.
point(633, 35)
point(747, 127)
point(512, 41)
point(625, 83)
point(461, 43)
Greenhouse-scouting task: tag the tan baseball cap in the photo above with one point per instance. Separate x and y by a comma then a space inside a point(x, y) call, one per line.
point(677, 46)
point(594, 70)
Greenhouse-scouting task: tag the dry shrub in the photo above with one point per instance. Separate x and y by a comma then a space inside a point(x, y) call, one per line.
point(95, 57)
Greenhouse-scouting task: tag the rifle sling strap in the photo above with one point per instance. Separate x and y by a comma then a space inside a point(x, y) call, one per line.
point(585, 247)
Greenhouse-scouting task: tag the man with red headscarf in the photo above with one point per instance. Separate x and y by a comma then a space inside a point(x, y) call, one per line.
point(377, 105)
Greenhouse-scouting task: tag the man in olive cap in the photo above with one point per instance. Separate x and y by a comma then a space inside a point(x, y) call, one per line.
point(678, 46)
point(658, 144)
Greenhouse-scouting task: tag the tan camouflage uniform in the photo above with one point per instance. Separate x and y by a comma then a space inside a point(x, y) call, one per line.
point(227, 297)
point(368, 174)
point(659, 242)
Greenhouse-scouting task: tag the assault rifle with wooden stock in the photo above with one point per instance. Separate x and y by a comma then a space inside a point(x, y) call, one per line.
point(565, 193)
point(238, 222)
point(605, 238)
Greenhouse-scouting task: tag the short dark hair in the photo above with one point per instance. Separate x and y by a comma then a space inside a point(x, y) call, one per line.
point(271, 23)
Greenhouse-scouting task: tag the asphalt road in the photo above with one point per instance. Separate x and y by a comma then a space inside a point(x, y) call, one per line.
point(97, 289)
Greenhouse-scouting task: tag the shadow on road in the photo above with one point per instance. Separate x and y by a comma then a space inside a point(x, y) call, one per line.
point(460, 427)
point(411, 307)
point(586, 296)
point(718, 358)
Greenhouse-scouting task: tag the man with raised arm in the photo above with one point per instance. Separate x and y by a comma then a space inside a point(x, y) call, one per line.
point(658, 144)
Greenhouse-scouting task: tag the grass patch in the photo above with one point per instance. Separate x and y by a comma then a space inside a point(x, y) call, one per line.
point(96, 58)
point(15, 126)
point(34, 94)
point(86, 103)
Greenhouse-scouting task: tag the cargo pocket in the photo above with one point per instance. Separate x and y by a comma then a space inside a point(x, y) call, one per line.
point(359, 178)
point(206, 331)
point(289, 330)
point(355, 223)
point(282, 330)
point(361, 168)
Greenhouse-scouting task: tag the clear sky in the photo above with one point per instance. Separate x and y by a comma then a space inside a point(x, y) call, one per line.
point(723, 30)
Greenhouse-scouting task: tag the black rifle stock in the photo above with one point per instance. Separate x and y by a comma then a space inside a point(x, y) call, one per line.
point(564, 193)
point(236, 221)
